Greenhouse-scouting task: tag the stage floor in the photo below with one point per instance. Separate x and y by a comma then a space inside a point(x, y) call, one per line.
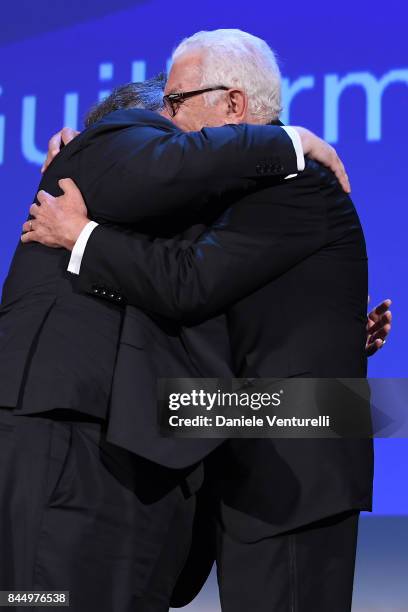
point(381, 583)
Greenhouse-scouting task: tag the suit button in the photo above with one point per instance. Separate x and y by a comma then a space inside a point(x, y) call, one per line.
point(118, 298)
point(103, 291)
point(95, 289)
point(111, 295)
point(260, 168)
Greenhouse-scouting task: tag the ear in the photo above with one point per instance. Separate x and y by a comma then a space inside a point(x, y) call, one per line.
point(237, 105)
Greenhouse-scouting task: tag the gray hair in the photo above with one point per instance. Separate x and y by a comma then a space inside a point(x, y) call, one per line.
point(147, 95)
point(234, 58)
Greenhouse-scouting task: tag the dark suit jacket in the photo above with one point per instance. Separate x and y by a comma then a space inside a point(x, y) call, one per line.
point(58, 347)
point(288, 265)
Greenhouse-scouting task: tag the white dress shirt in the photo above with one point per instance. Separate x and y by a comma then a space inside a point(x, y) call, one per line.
point(78, 251)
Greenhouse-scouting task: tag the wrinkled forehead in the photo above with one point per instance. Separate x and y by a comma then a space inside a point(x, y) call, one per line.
point(185, 73)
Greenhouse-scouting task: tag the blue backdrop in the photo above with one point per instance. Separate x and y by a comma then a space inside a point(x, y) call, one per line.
point(345, 68)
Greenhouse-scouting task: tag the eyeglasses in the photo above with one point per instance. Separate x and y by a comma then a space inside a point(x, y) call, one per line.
point(173, 101)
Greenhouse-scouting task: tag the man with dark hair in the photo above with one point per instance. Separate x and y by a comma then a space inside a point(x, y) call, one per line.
point(131, 95)
point(83, 507)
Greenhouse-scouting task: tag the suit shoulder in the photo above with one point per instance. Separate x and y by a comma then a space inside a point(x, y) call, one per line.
point(318, 182)
point(128, 117)
point(122, 130)
point(318, 174)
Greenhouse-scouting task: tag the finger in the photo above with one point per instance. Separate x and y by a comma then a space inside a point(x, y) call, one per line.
point(68, 134)
point(45, 198)
point(34, 210)
point(380, 311)
point(50, 156)
point(345, 179)
point(28, 237)
point(374, 344)
point(342, 175)
point(67, 185)
point(54, 147)
point(381, 334)
point(28, 226)
point(345, 183)
point(46, 163)
point(373, 347)
point(340, 164)
point(384, 321)
point(370, 350)
point(54, 143)
point(381, 308)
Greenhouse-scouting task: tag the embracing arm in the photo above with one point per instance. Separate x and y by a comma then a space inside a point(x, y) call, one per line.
point(155, 169)
point(191, 282)
point(253, 242)
point(58, 223)
point(161, 172)
point(162, 169)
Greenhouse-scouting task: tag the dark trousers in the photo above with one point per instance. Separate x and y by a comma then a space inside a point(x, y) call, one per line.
point(310, 569)
point(81, 515)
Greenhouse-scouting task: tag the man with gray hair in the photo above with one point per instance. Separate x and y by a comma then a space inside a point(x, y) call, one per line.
point(284, 271)
point(243, 61)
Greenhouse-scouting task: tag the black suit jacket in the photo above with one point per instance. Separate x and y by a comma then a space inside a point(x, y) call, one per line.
point(58, 347)
point(286, 269)
point(288, 266)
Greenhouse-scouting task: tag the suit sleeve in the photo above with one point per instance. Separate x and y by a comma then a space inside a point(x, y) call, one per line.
point(253, 242)
point(163, 172)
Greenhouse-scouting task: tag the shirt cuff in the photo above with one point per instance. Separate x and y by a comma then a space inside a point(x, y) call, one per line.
point(297, 143)
point(78, 251)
